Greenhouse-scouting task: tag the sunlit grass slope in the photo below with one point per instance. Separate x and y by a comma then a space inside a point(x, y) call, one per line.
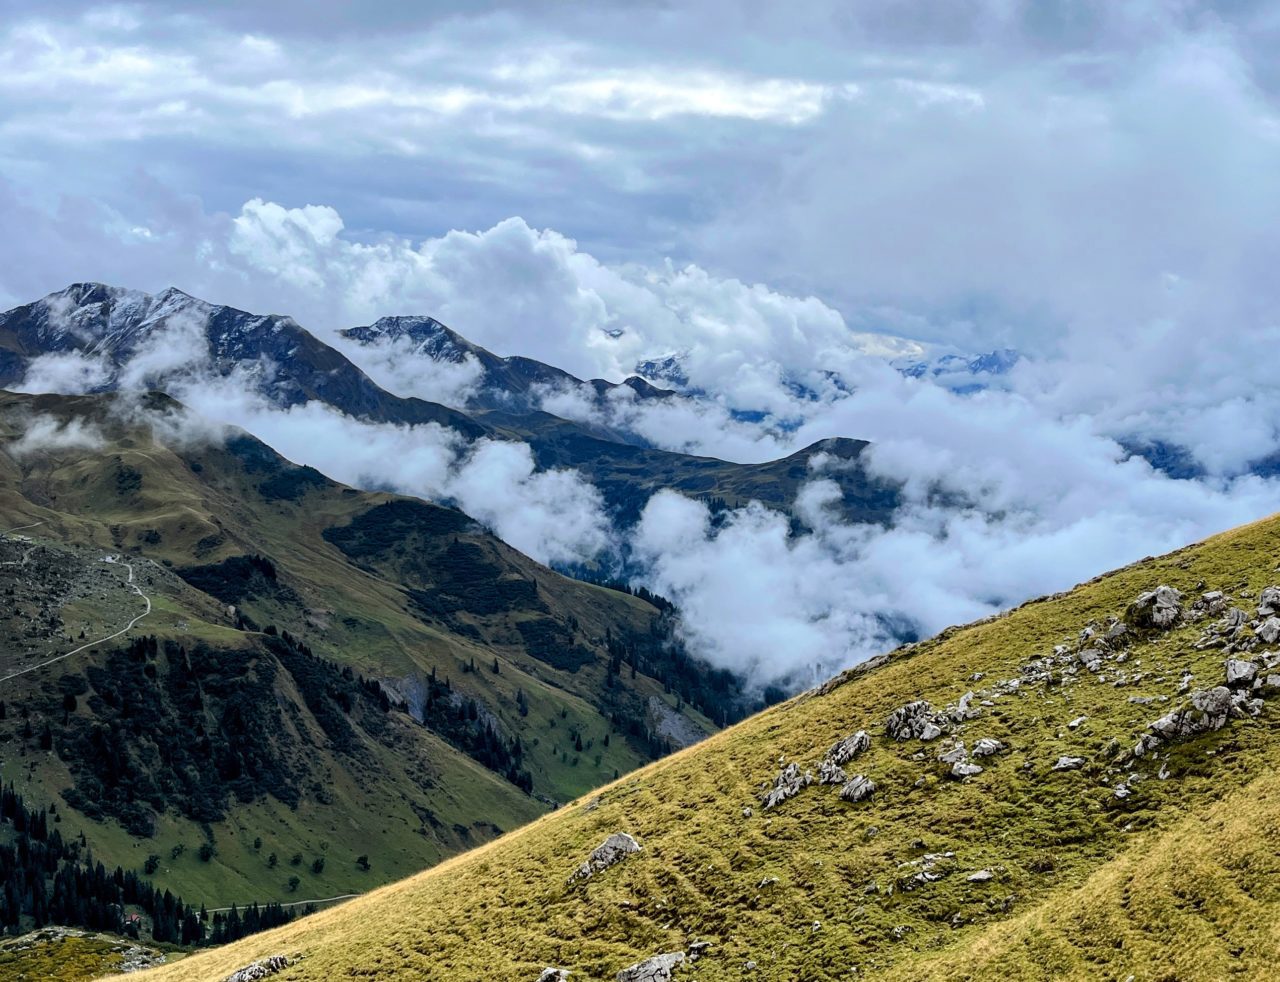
point(1174, 880)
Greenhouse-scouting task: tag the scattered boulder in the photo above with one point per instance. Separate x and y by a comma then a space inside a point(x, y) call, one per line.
point(981, 876)
point(655, 969)
point(1269, 630)
point(1090, 658)
point(789, 783)
point(850, 747)
point(915, 721)
point(1066, 763)
point(927, 869)
point(1211, 604)
point(264, 968)
point(613, 850)
point(962, 769)
point(963, 709)
point(1240, 673)
point(857, 788)
point(1078, 722)
point(1159, 608)
point(987, 747)
point(1269, 601)
point(553, 975)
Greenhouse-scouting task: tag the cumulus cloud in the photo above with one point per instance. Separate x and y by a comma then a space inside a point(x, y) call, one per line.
point(1093, 184)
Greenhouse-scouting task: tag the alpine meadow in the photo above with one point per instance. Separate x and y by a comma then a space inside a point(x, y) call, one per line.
point(509, 492)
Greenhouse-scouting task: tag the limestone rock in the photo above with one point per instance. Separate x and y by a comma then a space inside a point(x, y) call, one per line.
point(987, 747)
point(981, 876)
point(831, 773)
point(1158, 608)
point(1208, 710)
point(915, 721)
point(962, 769)
point(1269, 601)
point(614, 849)
point(1078, 722)
point(655, 969)
point(857, 788)
point(264, 968)
point(1090, 658)
point(1066, 763)
point(553, 975)
point(789, 783)
point(850, 747)
point(1269, 630)
point(1240, 673)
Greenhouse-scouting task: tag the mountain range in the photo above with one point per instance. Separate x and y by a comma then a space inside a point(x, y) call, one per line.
point(245, 681)
point(110, 338)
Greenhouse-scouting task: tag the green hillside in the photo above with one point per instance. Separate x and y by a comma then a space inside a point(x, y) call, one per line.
point(1070, 838)
point(326, 674)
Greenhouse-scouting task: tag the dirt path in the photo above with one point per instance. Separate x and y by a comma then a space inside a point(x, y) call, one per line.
point(292, 903)
point(115, 561)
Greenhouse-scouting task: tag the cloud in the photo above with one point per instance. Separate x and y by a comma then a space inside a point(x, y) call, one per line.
point(44, 432)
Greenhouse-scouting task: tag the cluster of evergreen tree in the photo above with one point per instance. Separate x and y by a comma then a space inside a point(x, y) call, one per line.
point(717, 693)
point(46, 879)
point(458, 720)
point(234, 924)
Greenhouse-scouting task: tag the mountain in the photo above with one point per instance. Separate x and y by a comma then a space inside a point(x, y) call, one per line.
point(1082, 788)
point(293, 667)
point(505, 384)
point(98, 338)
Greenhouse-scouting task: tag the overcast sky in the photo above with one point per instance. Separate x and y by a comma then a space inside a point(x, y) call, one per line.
point(779, 193)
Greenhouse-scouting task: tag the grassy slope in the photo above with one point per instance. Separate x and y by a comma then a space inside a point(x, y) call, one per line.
point(347, 614)
point(1178, 881)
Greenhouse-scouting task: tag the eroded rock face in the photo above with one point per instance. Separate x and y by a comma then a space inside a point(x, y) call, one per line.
point(655, 969)
point(1158, 608)
point(915, 721)
point(262, 969)
point(789, 783)
point(858, 788)
point(614, 849)
point(848, 748)
point(829, 773)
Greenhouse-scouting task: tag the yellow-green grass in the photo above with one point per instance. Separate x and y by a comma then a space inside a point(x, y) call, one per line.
point(1175, 882)
point(69, 956)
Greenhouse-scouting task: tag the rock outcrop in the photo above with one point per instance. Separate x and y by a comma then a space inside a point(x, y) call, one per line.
point(789, 783)
point(916, 721)
point(613, 850)
point(1208, 710)
point(262, 969)
point(850, 747)
point(655, 969)
point(1159, 608)
point(857, 788)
